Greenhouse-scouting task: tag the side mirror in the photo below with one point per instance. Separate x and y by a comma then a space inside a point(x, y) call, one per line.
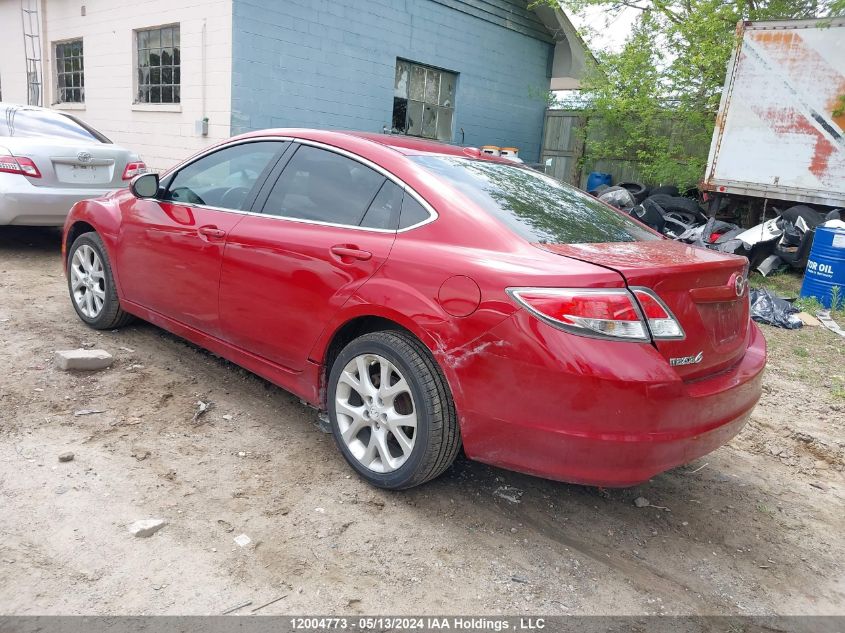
point(144, 186)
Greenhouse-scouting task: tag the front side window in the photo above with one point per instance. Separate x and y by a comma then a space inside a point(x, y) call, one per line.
point(322, 186)
point(70, 72)
point(159, 71)
point(423, 101)
point(225, 178)
point(535, 206)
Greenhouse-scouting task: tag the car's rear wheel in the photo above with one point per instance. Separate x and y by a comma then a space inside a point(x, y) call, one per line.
point(391, 412)
point(91, 284)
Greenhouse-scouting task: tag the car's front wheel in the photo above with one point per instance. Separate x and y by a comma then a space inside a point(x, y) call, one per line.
point(91, 284)
point(391, 412)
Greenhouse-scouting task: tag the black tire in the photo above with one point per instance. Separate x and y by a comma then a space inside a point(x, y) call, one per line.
point(111, 315)
point(638, 190)
point(666, 190)
point(437, 438)
point(685, 209)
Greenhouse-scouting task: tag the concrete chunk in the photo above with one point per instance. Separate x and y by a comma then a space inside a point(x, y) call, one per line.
point(83, 359)
point(146, 527)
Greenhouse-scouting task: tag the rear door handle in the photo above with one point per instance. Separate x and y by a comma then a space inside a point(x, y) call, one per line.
point(350, 252)
point(211, 231)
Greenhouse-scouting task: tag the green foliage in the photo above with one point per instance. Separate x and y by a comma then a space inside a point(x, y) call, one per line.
point(659, 95)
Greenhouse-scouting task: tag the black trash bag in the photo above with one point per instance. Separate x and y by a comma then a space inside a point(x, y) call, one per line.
point(772, 310)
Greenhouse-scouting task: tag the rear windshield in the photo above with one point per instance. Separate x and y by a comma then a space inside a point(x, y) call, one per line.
point(536, 207)
point(26, 122)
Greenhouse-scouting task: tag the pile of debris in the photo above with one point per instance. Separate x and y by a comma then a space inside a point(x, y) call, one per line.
point(783, 241)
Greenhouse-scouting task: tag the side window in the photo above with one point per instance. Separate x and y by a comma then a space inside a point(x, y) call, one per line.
point(223, 179)
point(412, 213)
point(323, 186)
point(384, 211)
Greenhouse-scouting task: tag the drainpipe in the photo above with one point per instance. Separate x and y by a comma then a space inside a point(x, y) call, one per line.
point(204, 120)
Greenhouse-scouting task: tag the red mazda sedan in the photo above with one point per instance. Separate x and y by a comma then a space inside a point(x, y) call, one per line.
point(428, 297)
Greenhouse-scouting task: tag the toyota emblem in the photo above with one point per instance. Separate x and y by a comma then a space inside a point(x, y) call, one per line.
point(84, 157)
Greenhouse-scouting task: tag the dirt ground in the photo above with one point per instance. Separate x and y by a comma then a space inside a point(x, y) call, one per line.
point(754, 528)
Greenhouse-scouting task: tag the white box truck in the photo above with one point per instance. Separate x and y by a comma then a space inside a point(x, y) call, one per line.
point(779, 132)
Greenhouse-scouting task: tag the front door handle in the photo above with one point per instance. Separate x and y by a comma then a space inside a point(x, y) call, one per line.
point(347, 253)
point(211, 231)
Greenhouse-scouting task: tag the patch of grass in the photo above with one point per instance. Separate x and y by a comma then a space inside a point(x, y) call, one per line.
point(784, 284)
point(801, 352)
point(764, 509)
point(811, 305)
point(838, 392)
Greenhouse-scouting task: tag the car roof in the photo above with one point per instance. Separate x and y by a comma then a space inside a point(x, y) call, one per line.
point(406, 145)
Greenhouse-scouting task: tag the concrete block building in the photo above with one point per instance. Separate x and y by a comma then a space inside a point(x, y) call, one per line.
point(169, 77)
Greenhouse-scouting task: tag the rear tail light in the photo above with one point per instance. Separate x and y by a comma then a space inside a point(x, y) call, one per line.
point(611, 313)
point(133, 169)
point(600, 312)
point(19, 165)
point(661, 321)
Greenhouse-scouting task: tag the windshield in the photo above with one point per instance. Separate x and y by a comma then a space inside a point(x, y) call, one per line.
point(27, 122)
point(535, 206)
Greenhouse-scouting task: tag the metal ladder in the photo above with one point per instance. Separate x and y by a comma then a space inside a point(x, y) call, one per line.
point(32, 50)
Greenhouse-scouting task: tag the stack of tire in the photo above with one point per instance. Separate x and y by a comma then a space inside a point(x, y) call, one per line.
point(667, 198)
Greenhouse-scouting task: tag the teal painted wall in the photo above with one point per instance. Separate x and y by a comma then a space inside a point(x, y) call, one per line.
point(331, 64)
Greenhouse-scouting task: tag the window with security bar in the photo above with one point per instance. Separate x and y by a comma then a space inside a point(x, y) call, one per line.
point(159, 72)
point(70, 72)
point(423, 101)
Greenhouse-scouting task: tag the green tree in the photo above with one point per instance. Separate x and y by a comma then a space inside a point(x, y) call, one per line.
point(669, 75)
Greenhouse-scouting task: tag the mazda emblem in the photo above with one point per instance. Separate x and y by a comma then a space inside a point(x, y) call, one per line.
point(740, 282)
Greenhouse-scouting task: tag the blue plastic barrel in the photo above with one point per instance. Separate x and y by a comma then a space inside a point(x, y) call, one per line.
point(826, 267)
point(597, 178)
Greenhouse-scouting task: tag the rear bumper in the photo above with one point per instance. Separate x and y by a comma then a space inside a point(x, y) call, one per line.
point(613, 414)
point(22, 203)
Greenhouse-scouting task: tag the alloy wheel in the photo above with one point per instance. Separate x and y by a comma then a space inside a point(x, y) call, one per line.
point(88, 281)
point(375, 412)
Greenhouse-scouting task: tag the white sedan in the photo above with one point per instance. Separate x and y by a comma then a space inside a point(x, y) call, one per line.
point(50, 160)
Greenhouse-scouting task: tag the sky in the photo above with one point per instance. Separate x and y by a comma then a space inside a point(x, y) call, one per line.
point(609, 31)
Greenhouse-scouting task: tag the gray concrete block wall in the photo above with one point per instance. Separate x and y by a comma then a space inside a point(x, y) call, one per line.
point(331, 64)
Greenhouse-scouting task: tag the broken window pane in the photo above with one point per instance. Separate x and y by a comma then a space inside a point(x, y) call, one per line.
point(415, 116)
point(403, 76)
point(432, 85)
point(400, 113)
point(417, 92)
point(444, 124)
point(429, 126)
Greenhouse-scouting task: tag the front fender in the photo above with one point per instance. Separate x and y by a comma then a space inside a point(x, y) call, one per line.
point(103, 216)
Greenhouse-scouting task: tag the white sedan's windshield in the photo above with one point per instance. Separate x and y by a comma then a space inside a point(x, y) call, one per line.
point(534, 206)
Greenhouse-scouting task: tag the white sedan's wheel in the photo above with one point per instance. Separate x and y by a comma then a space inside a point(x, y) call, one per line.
point(391, 411)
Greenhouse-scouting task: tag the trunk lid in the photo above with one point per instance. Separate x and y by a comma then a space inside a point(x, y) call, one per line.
point(70, 164)
point(698, 285)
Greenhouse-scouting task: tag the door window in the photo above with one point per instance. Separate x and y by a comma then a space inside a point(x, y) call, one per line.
point(225, 178)
point(326, 187)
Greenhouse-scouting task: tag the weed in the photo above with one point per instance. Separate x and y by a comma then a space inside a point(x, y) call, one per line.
point(801, 352)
